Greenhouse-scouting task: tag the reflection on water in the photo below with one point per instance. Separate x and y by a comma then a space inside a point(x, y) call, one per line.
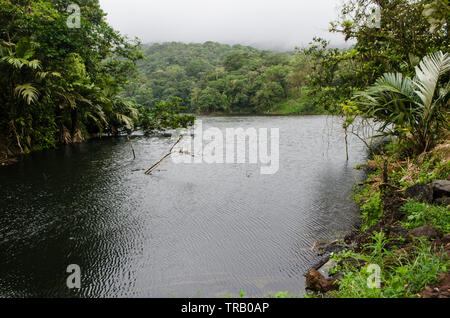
point(187, 230)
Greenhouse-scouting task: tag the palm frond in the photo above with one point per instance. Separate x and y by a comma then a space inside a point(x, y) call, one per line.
point(17, 63)
point(34, 64)
point(428, 72)
point(28, 92)
point(125, 119)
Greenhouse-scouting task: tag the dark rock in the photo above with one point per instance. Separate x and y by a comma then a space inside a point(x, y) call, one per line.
point(332, 247)
point(398, 232)
point(441, 188)
point(447, 250)
point(443, 201)
point(441, 290)
point(319, 264)
point(446, 239)
point(442, 245)
point(421, 192)
point(317, 282)
point(427, 231)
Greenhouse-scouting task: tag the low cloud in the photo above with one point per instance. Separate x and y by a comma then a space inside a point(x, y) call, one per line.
point(270, 24)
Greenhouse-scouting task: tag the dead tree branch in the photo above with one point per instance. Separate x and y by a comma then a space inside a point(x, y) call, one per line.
point(149, 171)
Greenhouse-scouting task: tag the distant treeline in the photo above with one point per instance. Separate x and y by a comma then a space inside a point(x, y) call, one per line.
point(213, 77)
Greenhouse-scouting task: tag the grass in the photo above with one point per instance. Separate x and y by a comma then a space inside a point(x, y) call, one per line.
point(401, 274)
point(302, 105)
point(369, 200)
point(420, 214)
point(371, 211)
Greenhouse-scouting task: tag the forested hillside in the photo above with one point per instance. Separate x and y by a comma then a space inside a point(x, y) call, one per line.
point(60, 83)
point(213, 77)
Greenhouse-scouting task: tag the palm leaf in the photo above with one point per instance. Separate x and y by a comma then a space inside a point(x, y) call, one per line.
point(427, 77)
point(17, 63)
point(28, 92)
point(125, 119)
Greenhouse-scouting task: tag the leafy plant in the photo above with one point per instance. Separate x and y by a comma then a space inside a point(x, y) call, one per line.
point(371, 211)
point(420, 214)
point(416, 106)
point(401, 275)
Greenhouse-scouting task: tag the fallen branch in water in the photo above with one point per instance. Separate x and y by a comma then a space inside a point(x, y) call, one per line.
point(165, 156)
point(132, 149)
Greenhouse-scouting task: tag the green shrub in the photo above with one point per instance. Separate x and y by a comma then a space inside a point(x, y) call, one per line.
point(401, 275)
point(420, 214)
point(371, 211)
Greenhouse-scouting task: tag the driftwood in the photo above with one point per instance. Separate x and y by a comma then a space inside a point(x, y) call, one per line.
point(132, 149)
point(149, 171)
point(17, 135)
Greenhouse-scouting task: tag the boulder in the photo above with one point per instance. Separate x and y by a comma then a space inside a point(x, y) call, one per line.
point(421, 192)
point(441, 188)
point(317, 282)
point(447, 250)
point(325, 248)
point(441, 290)
point(446, 239)
point(398, 232)
point(442, 245)
point(445, 201)
point(427, 231)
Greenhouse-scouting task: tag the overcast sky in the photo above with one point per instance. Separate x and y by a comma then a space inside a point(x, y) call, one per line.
point(271, 24)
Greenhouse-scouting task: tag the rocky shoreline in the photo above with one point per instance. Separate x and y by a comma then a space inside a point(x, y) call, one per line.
point(321, 281)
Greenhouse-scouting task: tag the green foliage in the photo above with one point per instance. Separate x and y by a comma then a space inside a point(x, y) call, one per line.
point(336, 74)
point(371, 211)
point(416, 106)
point(333, 76)
point(61, 84)
point(370, 205)
point(437, 13)
point(213, 77)
point(164, 115)
point(387, 47)
point(426, 170)
point(285, 294)
point(420, 214)
point(401, 275)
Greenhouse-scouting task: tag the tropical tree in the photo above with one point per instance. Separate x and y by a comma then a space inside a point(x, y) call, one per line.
point(415, 108)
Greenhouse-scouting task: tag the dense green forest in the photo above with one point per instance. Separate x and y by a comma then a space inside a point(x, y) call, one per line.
point(217, 78)
point(213, 77)
point(62, 84)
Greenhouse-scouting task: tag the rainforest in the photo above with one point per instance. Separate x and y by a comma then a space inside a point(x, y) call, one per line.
point(92, 110)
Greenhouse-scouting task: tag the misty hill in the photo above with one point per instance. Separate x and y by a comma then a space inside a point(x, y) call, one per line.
point(214, 77)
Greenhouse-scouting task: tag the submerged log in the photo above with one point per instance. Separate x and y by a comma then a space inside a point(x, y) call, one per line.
point(132, 148)
point(149, 171)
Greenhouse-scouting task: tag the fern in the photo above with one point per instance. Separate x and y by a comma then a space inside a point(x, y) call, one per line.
point(28, 92)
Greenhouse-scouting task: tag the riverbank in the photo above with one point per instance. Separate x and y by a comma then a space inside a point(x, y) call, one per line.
point(299, 106)
point(403, 246)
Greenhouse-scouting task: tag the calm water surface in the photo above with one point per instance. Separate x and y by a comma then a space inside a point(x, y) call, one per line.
point(188, 230)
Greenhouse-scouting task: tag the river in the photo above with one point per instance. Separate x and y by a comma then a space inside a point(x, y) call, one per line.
point(187, 230)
